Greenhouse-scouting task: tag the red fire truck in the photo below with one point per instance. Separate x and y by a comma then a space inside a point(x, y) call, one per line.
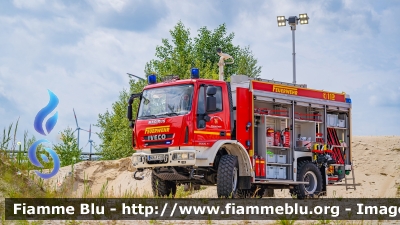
point(247, 136)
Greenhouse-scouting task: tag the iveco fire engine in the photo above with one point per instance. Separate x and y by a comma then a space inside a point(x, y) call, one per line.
point(247, 136)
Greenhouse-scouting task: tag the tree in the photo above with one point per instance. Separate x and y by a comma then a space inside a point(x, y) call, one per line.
point(176, 57)
point(68, 151)
point(114, 132)
point(184, 53)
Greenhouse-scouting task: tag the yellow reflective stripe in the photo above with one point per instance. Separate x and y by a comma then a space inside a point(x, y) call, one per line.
point(210, 132)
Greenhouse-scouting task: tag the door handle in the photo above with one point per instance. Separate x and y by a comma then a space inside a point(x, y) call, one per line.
point(222, 133)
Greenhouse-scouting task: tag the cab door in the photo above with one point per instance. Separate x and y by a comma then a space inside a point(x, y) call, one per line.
point(211, 126)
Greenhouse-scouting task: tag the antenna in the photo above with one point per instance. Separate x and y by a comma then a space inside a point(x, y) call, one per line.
point(131, 75)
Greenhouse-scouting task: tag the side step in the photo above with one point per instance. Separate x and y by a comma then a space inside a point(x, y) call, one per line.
point(277, 181)
point(353, 184)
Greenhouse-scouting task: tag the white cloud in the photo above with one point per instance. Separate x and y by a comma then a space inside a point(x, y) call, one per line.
point(32, 4)
point(373, 100)
point(107, 5)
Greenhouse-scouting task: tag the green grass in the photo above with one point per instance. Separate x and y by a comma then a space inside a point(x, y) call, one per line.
point(13, 185)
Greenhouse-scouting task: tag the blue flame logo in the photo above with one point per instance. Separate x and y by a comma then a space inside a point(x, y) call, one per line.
point(35, 161)
point(51, 122)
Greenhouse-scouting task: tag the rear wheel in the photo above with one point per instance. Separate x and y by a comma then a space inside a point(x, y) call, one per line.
point(308, 172)
point(162, 188)
point(227, 176)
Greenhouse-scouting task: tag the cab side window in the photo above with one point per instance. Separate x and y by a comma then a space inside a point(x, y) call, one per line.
point(218, 96)
point(201, 107)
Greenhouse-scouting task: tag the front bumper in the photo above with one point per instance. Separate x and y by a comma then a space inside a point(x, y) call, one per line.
point(171, 158)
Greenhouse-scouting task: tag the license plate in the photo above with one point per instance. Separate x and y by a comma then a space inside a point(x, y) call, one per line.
point(155, 157)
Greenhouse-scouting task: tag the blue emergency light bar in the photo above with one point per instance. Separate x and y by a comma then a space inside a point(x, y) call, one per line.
point(152, 79)
point(195, 73)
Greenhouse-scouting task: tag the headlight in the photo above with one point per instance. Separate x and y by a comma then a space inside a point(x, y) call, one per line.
point(183, 156)
point(191, 156)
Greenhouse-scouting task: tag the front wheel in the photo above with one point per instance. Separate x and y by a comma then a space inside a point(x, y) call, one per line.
point(162, 188)
point(227, 176)
point(308, 172)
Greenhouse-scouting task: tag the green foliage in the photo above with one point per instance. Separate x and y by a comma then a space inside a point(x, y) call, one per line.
point(6, 137)
point(17, 156)
point(67, 150)
point(184, 53)
point(114, 132)
point(175, 57)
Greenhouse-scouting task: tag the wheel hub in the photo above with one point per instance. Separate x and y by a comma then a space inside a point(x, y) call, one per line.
point(311, 178)
point(234, 179)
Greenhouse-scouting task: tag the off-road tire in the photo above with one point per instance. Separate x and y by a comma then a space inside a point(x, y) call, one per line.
point(227, 180)
point(269, 192)
point(162, 188)
point(251, 193)
point(308, 171)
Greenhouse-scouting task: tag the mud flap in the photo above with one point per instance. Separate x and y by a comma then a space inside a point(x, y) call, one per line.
point(244, 182)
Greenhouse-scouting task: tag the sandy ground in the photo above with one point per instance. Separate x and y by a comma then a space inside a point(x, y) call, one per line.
point(114, 178)
point(376, 167)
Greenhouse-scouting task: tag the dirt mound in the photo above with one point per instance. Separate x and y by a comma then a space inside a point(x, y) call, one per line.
point(112, 178)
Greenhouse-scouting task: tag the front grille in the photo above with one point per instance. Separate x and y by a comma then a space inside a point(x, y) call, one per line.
point(158, 150)
point(168, 142)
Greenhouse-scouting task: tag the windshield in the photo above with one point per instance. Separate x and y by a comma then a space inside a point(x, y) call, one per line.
point(166, 101)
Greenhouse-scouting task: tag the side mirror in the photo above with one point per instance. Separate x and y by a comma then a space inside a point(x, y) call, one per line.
point(129, 112)
point(207, 118)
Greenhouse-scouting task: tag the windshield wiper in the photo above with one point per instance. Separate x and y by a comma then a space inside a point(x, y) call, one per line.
point(148, 116)
point(169, 114)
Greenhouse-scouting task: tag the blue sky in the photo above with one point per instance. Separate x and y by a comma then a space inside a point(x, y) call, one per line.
point(82, 50)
